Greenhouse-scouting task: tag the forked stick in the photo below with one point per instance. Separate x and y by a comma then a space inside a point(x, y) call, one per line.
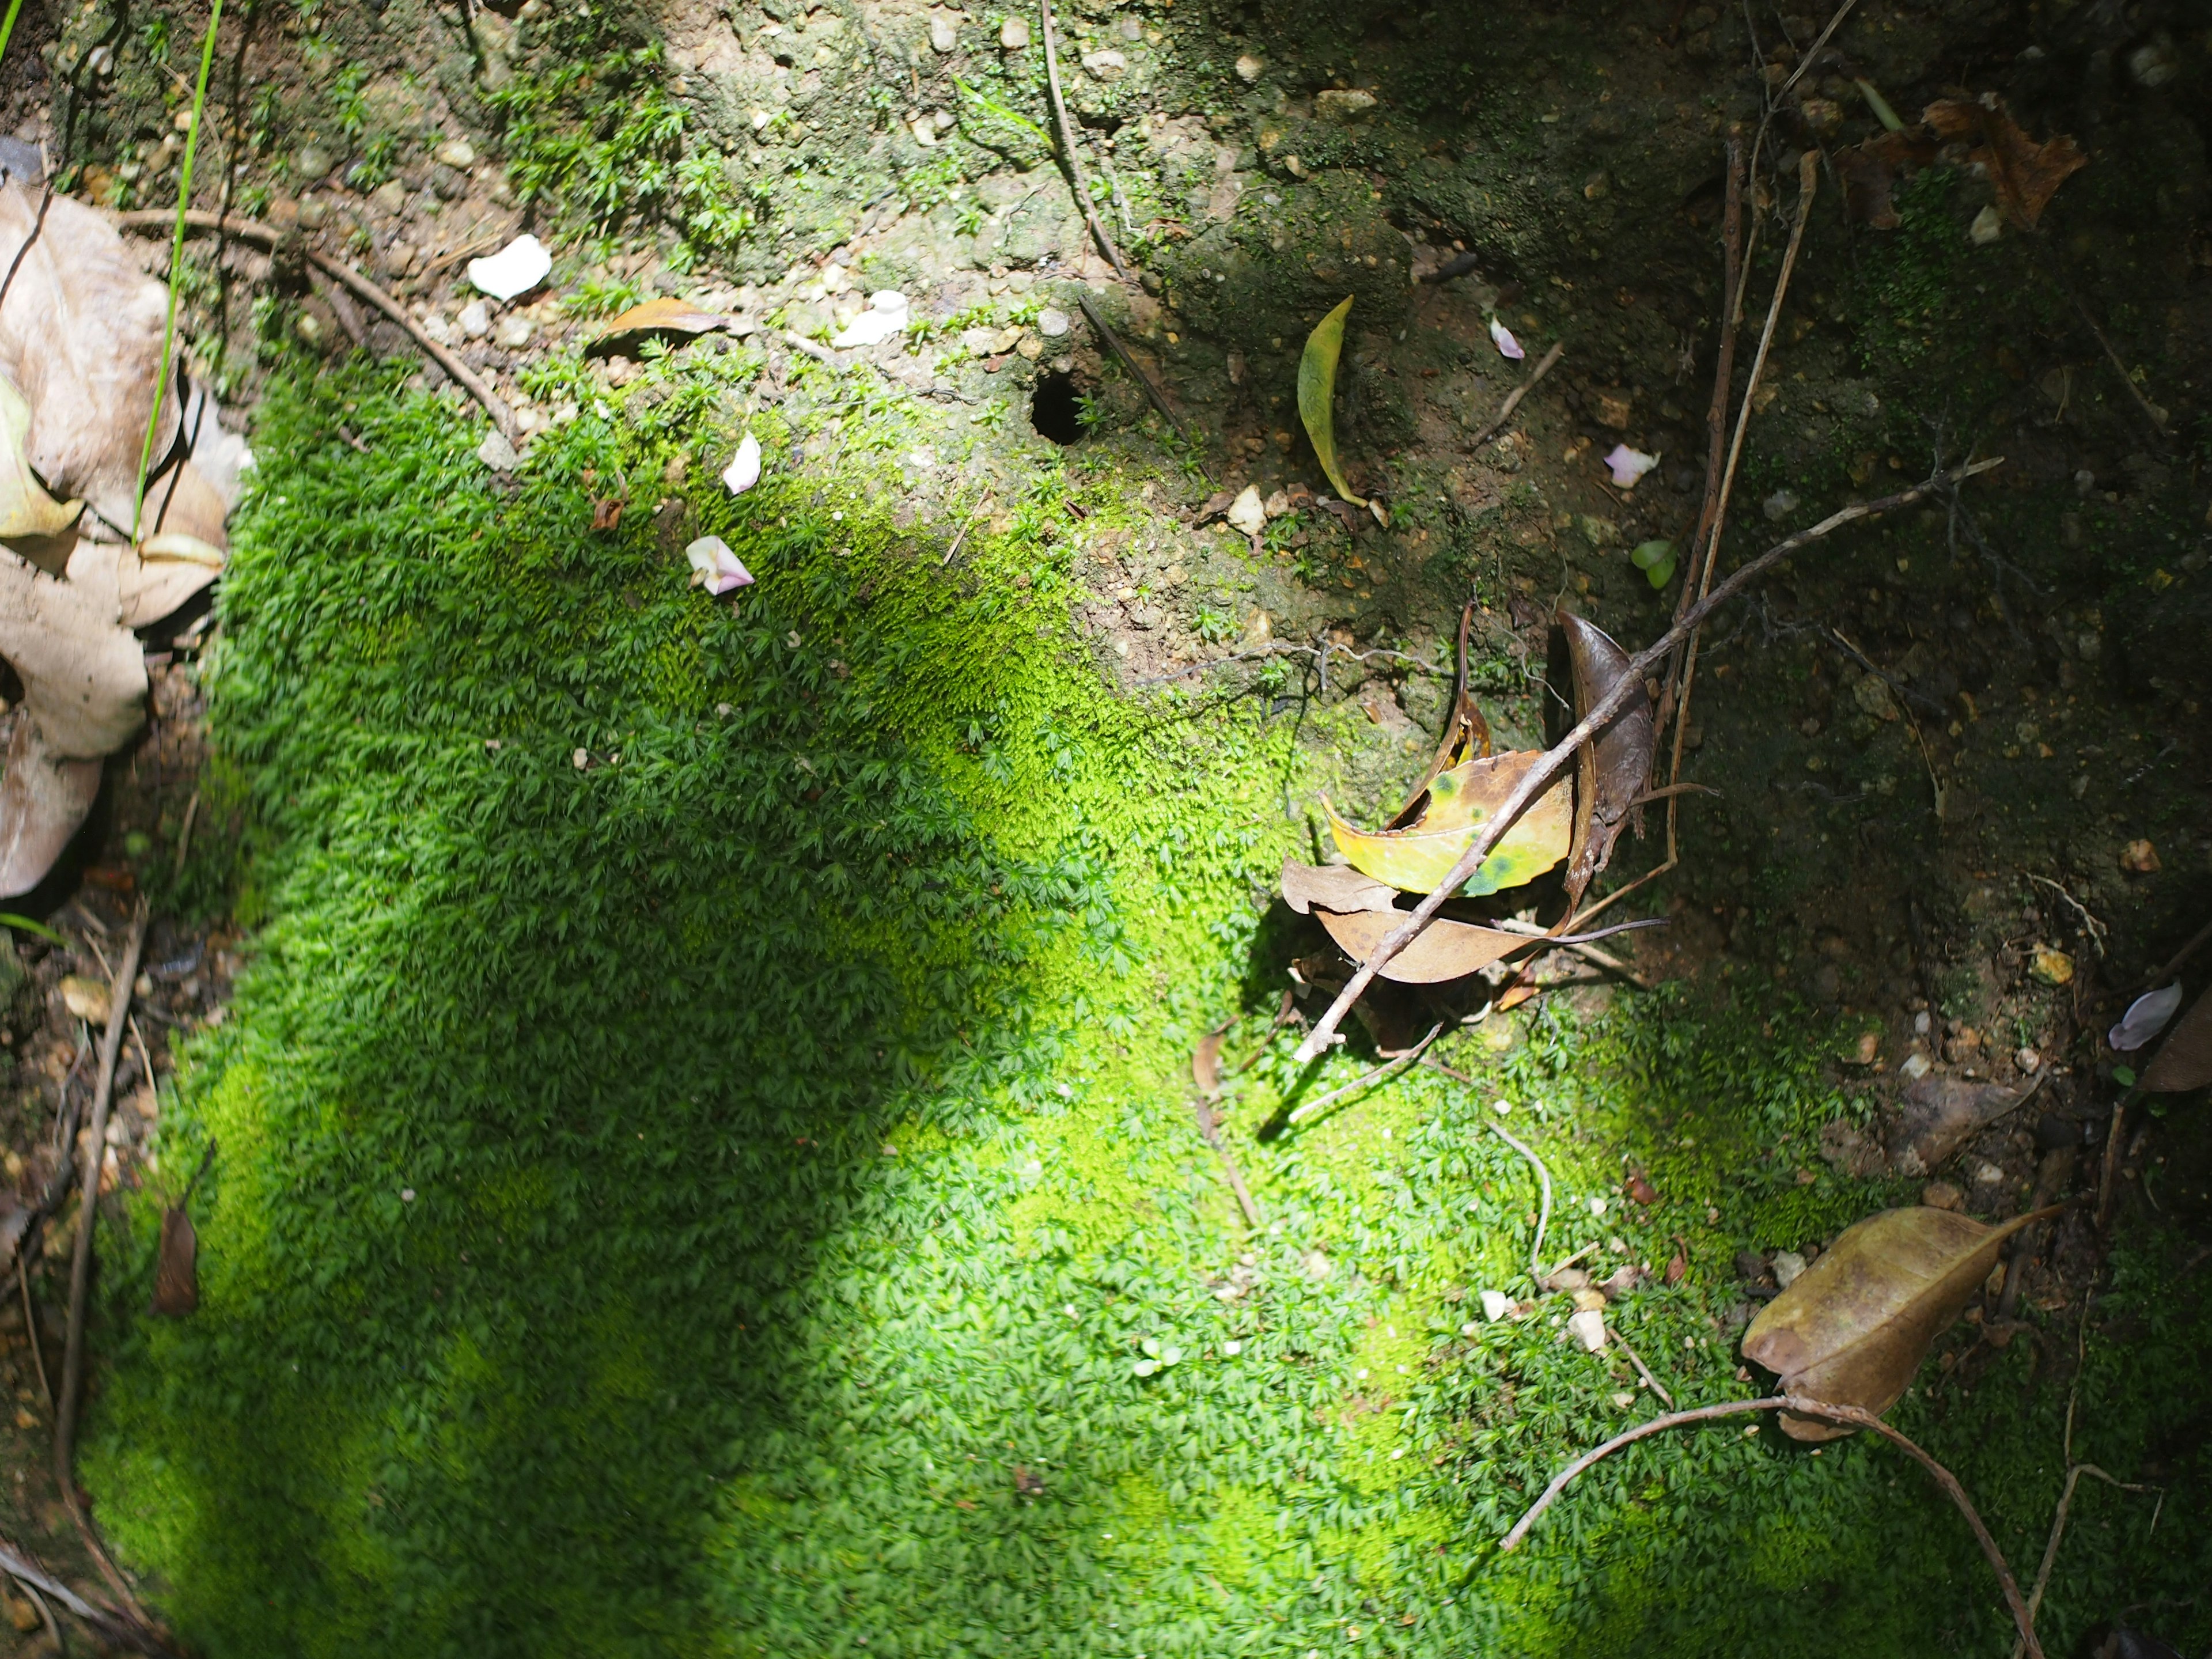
point(1559, 757)
point(1848, 1415)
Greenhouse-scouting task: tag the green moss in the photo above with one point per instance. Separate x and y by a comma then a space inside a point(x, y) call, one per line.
point(661, 1202)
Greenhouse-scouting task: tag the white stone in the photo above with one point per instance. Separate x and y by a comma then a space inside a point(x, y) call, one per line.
point(514, 332)
point(1496, 1305)
point(944, 32)
point(1013, 34)
point(1249, 67)
point(1052, 322)
point(456, 153)
point(1788, 1264)
point(1105, 65)
point(1588, 1329)
point(1248, 513)
point(887, 315)
point(476, 319)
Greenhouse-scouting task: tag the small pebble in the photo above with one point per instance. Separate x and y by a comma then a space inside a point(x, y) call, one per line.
point(515, 331)
point(1788, 1264)
point(944, 32)
point(456, 153)
point(1013, 34)
point(475, 320)
point(1249, 69)
point(1052, 322)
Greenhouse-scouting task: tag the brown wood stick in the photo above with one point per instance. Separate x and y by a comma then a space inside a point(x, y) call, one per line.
point(88, 1224)
point(1068, 149)
point(1558, 757)
point(1127, 358)
point(1210, 1129)
point(1850, 1415)
point(338, 270)
point(1513, 398)
point(2195, 942)
point(1644, 1372)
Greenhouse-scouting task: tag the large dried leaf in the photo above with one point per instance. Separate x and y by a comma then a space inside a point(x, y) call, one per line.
point(1317, 393)
point(1853, 1327)
point(1461, 801)
point(1937, 1114)
point(81, 337)
point(2024, 172)
point(26, 509)
point(43, 798)
point(2185, 1061)
point(1613, 767)
point(1444, 950)
point(1333, 887)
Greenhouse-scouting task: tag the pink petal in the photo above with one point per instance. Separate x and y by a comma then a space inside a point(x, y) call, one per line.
point(1629, 465)
point(1507, 345)
point(719, 569)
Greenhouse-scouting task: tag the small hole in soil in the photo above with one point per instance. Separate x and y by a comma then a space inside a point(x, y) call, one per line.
point(1055, 409)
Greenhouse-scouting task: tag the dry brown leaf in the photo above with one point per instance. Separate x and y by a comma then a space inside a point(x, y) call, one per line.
point(81, 337)
point(1853, 1327)
point(1444, 950)
point(2185, 1062)
point(2025, 174)
point(1870, 172)
point(43, 798)
point(666, 315)
point(1337, 887)
point(1205, 1064)
point(1612, 770)
point(1936, 1114)
point(176, 1269)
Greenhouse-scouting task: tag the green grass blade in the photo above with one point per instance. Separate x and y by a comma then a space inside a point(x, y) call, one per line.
point(10, 919)
point(176, 261)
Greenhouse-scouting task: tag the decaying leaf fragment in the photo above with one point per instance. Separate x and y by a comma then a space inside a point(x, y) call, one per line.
point(1310, 887)
point(1461, 801)
point(2185, 1061)
point(1611, 769)
point(1317, 393)
point(668, 315)
point(81, 337)
point(1853, 1327)
point(176, 1267)
point(1937, 1114)
point(1444, 950)
point(2025, 174)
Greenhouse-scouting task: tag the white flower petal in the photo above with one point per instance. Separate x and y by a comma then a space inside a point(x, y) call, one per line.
point(719, 568)
point(745, 468)
point(515, 269)
point(1503, 337)
point(1629, 465)
point(2145, 1018)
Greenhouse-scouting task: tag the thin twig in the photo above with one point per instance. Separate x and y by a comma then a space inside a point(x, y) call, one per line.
point(185, 835)
point(1068, 148)
point(1210, 1129)
point(111, 1046)
point(1644, 1371)
point(1555, 760)
point(1396, 1063)
point(141, 1634)
point(1280, 649)
point(1513, 399)
point(2073, 1474)
point(31, 1324)
point(1588, 952)
point(2174, 967)
point(46, 1615)
point(1127, 357)
point(1543, 1216)
point(1707, 558)
point(1851, 1416)
point(966, 524)
point(338, 270)
point(2094, 929)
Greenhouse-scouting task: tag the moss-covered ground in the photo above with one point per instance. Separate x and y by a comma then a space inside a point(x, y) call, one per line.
point(707, 1161)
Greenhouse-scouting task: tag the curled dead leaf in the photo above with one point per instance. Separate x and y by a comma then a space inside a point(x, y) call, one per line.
point(2025, 174)
point(176, 1267)
point(668, 315)
point(1937, 1113)
point(1444, 950)
point(1333, 887)
point(1205, 1064)
point(2185, 1061)
point(1613, 769)
point(1853, 1327)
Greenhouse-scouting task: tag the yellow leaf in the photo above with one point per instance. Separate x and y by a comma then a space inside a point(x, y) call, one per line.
point(1461, 801)
point(1317, 393)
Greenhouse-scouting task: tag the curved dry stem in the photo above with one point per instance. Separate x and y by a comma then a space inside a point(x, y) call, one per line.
point(1543, 1216)
point(2023, 1620)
